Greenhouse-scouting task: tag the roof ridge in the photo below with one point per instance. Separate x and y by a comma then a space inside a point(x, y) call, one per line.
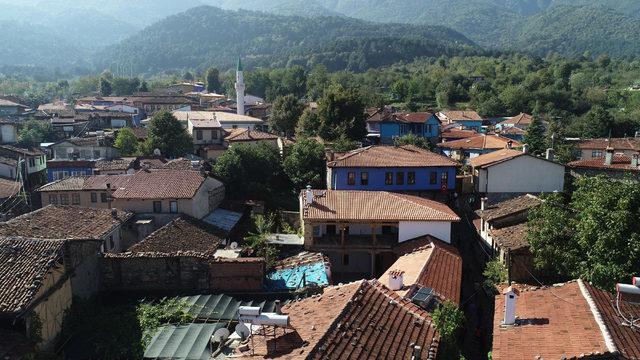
point(406, 198)
point(608, 339)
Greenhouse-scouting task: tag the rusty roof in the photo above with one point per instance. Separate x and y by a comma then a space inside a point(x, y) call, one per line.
point(554, 322)
point(481, 142)
point(360, 320)
point(24, 264)
point(437, 265)
point(509, 207)
point(65, 222)
point(391, 156)
point(374, 205)
point(184, 233)
point(495, 157)
point(618, 163)
point(162, 184)
point(248, 135)
point(520, 119)
point(512, 237)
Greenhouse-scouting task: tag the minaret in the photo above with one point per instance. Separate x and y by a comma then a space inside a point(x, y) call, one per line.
point(240, 88)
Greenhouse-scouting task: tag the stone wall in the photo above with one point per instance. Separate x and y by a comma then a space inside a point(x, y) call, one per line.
point(180, 273)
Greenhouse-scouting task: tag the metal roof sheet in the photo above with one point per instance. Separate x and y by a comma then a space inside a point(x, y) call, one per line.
point(182, 342)
point(223, 219)
point(221, 307)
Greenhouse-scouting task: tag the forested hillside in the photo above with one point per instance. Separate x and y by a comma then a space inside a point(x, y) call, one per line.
point(207, 35)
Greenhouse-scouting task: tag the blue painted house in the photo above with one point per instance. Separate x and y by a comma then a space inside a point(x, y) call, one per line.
point(466, 120)
point(392, 168)
point(390, 126)
point(62, 169)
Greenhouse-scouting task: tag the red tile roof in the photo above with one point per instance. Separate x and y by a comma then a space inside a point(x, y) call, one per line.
point(618, 163)
point(373, 206)
point(122, 164)
point(553, 323)
point(249, 135)
point(460, 115)
point(8, 188)
point(24, 263)
point(361, 320)
point(65, 222)
point(437, 265)
point(161, 184)
point(455, 134)
point(511, 237)
point(495, 157)
point(481, 142)
point(615, 143)
point(509, 207)
point(417, 117)
point(521, 119)
point(512, 130)
point(391, 156)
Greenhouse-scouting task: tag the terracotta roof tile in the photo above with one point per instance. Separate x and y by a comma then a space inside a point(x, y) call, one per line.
point(495, 157)
point(553, 323)
point(391, 156)
point(481, 142)
point(374, 205)
point(618, 163)
point(512, 130)
point(455, 134)
point(161, 184)
point(509, 207)
point(182, 234)
point(511, 237)
point(417, 117)
point(65, 222)
point(248, 135)
point(615, 143)
point(9, 188)
point(520, 119)
point(122, 164)
point(23, 265)
point(460, 115)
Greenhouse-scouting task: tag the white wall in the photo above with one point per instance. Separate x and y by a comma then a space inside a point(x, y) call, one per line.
point(9, 133)
point(7, 171)
point(524, 174)
point(413, 229)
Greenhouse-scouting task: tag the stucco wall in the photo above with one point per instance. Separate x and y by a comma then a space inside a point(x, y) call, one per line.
point(52, 307)
point(411, 229)
point(524, 174)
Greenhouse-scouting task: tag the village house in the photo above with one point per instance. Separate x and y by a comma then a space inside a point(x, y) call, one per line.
point(454, 133)
point(312, 332)
point(384, 125)
point(32, 163)
point(596, 148)
point(466, 120)
point(520, 121)
point(207, 135)
point(503, 228)
point(612, 164)
point(251, 137)
point(507, 173)
point(471, 147)
point(89, 148)
point(62, 169)
point(10, 108)
point(153, 192)
point(8, 132)
point(564, 321)
point(358, 230)
point(513, 132)
point(392, 168)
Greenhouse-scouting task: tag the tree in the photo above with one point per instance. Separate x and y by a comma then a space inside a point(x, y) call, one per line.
point(597, 123)
point(188, 76)
point(344, 144)
point(285, 114)
point(317, 82)
point(258, 239)
point(341, 112)
point(308, 124)
point(495, 274)
point(535, 137)
point(167, 134)
point(305, 164)
point(594, 235)
point(448, 320)
point(105, 87)
point(213, 80)
point(144, 87)
point(34, 132)
point(126, 142)
point(413, 139)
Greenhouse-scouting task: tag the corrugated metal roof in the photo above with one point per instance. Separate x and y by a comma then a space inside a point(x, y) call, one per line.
point(222, 307)
point(182, 342)
point(223, 219)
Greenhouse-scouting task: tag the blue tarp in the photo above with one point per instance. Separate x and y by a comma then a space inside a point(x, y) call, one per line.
point(297, 277)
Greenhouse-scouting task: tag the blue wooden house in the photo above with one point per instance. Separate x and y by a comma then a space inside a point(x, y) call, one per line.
point(392, 168)
point(466, 120)
point(386, 127)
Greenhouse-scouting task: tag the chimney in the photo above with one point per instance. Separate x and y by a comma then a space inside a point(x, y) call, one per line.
point(509, 144)
point(510, 296)
point(483, 203)
point(417, 353)
point(550, 154)
point(109, 195)
point(396, 280)
point(309, 195)
point(608, 156)
point(634, 160)
point(525, 149)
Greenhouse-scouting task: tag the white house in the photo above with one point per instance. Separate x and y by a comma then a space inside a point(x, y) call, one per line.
point(508, 173)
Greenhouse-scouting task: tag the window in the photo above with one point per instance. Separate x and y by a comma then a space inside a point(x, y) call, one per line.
point(157, 206)
point(351, 178)
point(433, 179)
point(32, 162)
point(411, 178)
point(596, 153)
point(364, 178)
point(173, 207)
point(64, 199)
point(53, 199)
point(94, 197)
point(198, 134)
point(103, 197)
point(316, 231)
point(331, 229)
point(444, 177)
point(388, 178)
point(214, 134)
point(96, 154)
point(345, 259)
point(399, 178)
point(75, 199)
point(111, 243)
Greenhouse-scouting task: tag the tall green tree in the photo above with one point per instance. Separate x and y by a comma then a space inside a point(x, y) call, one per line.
point(341, 112)
point(597, 123)
point(317, 82)
point(167, 134)
point(594, 235)
point(308, 124)
point(213, 80)
point(285, 114)
point(413, 139)
point(305, 164)
point(535, 136)
point(105, 87)
point(126, 142)
point(34, 132)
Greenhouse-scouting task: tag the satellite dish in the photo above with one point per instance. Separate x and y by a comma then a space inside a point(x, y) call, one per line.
point(220, 335)
point(157, 152)
point(243, 330)
point(234, 245)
